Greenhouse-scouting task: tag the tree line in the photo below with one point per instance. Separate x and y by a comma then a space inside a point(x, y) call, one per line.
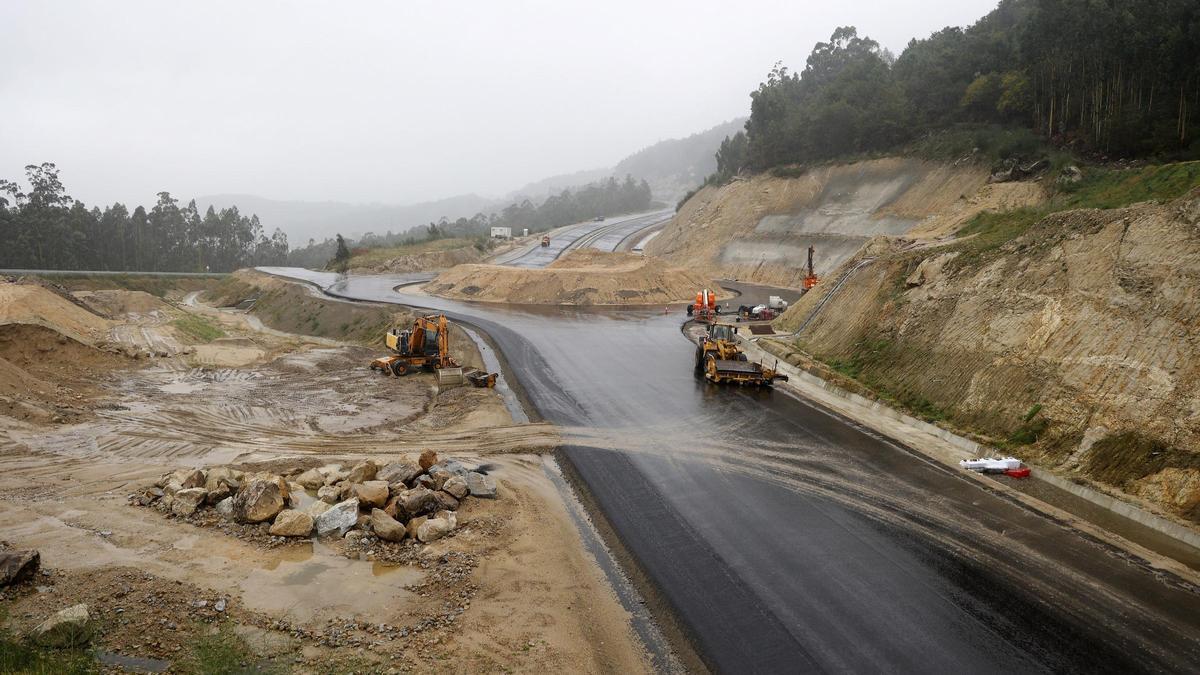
point(603, 198)
point(1116, 78)
point(45, 228)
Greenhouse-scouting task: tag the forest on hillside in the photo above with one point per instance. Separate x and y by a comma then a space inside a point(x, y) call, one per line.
point(45, 228)
point(1113, 78)
point(603, 198)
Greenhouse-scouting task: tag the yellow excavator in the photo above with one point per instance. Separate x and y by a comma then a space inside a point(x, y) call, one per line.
point(721, 361)
point(427, 346)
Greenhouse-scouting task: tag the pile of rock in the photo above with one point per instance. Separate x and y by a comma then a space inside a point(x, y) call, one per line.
point(401, 499)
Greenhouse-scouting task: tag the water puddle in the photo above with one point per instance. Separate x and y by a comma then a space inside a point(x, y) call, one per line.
point(310, 582)
point(133, 664)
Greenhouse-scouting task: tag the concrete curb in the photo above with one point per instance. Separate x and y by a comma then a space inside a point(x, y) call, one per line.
point(804, 383)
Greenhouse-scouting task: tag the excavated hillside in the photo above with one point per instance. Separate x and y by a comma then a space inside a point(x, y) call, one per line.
point(1075, 344)
point(759, 228)
point(582, 277)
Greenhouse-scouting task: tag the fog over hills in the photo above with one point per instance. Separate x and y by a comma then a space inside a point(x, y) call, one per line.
point(672, 167)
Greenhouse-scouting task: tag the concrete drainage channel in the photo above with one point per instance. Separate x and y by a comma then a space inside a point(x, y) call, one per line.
point(1128, 522)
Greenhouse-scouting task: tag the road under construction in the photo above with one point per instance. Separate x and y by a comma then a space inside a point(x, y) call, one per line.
point(772, 535)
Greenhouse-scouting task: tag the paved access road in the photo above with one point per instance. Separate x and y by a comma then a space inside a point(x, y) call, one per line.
point(785, 539)
point(604, 235)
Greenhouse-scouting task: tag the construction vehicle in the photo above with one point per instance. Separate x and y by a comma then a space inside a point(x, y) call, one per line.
point(722, 361)
point(705, 308)
point(810, 279)
point(546, 240)
point(424, 346)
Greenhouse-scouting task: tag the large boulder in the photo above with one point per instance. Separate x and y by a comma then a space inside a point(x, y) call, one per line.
point(440, 475)
point(427, 459)
point(189, 478)
point(414, 525)
point(399, 472)
point(363, 472)
point(330, 494)
point(291, 523)
point(386, 527)
point(69, 628)
point(221, 482)
point(260, 498)
point(333, 473)
point(17, 566)
point(318, 507)
point(434, 529)
point(187, 501)
point(415, 502)
point(296, 495)
point(372, 493)
point(481, 485)
point(311, 480)
point(339, 518)
point(457, 487)
point(225, 508)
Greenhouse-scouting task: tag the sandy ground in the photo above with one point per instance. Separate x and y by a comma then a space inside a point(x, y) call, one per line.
point(511, 590)
point(583, 277)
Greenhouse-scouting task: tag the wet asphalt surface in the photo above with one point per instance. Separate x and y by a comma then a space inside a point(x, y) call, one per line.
point(603, 235)
point(785, 539)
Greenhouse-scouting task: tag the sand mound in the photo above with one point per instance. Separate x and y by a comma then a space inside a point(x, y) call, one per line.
point(40, 349)
point(579, 278)
point(115, 303)
point(33, 304)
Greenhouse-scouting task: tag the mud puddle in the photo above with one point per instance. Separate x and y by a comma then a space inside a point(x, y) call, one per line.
point(311, 581)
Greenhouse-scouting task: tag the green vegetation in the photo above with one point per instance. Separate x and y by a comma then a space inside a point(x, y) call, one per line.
point(47, 229)
point(21, 656)
point(1114, 79)
point(1103, 188)
point(198, 328)
point(220, 653)
point(1031, 428)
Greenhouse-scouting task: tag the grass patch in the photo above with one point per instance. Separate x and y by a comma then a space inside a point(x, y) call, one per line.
point(156, 285)
point(1103, 188)
point(1122, 458)
point(789, 171)
point(991, 229)
point(20, 656)
point(198, 328)
point(219, 653)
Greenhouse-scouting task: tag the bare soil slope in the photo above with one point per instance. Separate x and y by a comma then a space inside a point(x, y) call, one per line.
point(1077, 343)
point(583, 277)
point(759, 229)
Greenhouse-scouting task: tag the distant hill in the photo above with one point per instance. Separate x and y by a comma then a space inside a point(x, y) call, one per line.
point(318, 220)
point(671, 167)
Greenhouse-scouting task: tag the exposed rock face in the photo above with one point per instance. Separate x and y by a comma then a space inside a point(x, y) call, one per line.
point(481, 485)
point(398, 472)
point(312, 479)
point(292, 523)
point(362, 472)
point(457, 487)
point(428, 458)
point(259, 498)
point(17, 566)
point(386, 527)
point(339, 518)
point(69, 628)
point(187, 501)
point(372, 494)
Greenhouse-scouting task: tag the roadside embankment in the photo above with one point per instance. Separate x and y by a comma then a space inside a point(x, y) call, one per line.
point(759, 228)
point(1072, 343)
point(427, 255)
point(583, 277)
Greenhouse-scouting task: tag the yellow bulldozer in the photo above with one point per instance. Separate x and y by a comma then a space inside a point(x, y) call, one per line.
point(426, 346)
point(721, 361)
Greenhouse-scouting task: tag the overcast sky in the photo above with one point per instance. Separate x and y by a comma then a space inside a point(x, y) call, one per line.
point(391, 102)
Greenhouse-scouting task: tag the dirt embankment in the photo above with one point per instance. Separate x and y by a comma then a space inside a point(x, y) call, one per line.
point(294, 307)
point(584, 277)
point(416, 262)
point(1076, 344)
point(759, 229)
